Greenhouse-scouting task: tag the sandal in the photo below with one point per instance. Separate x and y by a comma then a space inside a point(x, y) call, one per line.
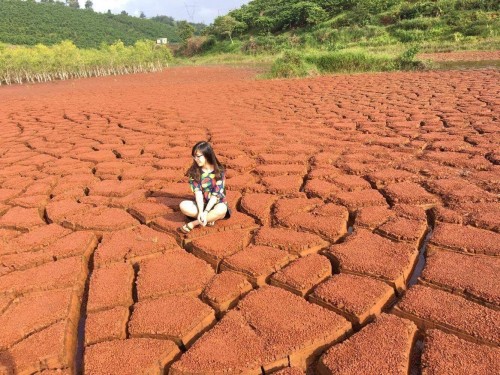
point(186, 228)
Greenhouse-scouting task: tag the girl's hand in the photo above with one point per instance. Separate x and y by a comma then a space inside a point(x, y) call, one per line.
point(203, 218)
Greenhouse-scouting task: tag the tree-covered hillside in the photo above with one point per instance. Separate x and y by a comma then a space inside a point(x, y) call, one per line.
point(30, 23)
point(263, 16)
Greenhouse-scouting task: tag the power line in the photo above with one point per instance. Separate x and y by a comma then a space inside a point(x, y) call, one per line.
point(191, 10)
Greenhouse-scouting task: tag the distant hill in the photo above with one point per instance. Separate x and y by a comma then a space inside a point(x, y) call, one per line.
point(30, 23)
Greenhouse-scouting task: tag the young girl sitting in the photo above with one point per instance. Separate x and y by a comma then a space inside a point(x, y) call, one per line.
point(207, 180)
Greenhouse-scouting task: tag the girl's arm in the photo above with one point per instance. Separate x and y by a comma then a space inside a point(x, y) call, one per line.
point(198, 194)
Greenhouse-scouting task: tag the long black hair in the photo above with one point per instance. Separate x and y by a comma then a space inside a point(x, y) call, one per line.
point(206, 149)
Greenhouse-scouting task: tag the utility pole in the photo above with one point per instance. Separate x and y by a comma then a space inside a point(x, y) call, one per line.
point(191, 10)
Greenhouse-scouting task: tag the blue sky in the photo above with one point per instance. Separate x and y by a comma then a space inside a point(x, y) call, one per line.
point(190, 10)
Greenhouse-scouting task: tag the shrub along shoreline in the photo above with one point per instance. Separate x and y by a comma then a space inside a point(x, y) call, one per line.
point(19, 64)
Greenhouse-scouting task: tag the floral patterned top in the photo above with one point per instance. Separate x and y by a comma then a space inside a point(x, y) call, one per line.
point(210, 186)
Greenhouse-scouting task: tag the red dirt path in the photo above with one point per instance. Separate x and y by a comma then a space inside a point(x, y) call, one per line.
point(360, 169)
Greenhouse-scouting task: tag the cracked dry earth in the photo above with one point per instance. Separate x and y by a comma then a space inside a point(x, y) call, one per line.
point(365, 235)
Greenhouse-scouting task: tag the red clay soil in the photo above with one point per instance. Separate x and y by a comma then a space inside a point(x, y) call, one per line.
point(144, 355)
point(54, 275)
point(111, 286)
point(382, 347)
point(357, 298)
point(257, 262)
point(102, 156)
point(409, 193)
point(481, 215)
point(358, 199)
point(297, 243)
point(290, 371)
point(182, 319)
point(372, 217)
point(23, 219)
point(465, 239)
point(106, 325)
point(368, 254)
point(446, 354)
point(270, 328)
point(225, 290)
point(172, 273)
point(146, 212)
point(474, 277)
point(303, 274)
point(231, 344)
point(401, 229)
point(133, 245)
point(259, 206)
point(45, 349)
point(215, 247)
point(39, 237)
point(433, 308)
point(34, 312)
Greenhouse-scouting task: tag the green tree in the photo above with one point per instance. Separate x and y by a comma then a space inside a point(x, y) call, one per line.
point(124, 13)
point(185, 30)
point(227, 25)
point(89, 4)
point(142, 15)
point(73, 4)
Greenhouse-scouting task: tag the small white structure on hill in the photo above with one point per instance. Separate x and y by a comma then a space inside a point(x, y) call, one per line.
point(162, 41)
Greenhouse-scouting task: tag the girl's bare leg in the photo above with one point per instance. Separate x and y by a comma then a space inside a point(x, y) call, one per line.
point(190, 209)
point(217, 213)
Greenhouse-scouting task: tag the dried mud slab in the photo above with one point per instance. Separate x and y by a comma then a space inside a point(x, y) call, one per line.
point(70, 272)
point(106, 325)
point(303, 274)
point(22, 219)
point(39, 237)
point(36, 311)
point(111, 286)
point(218, 246)
point(382, 347)
point(465, 239)
point(296, 243)
point(368, 254)
point(401, 229)
point(225, 290)
point(149, 356)
point(372, 217)
point(50, 348)
point(432, 308)
point(182, 320)
point(329, 220)
point(441, 352)
point(133, 245)
point(231, 344)
point(258, 205)
point(172, 273)
point(257, 263)
point(146, 212)
point(357, 298)
point(100, 219)
point(410, 193)
point(359, 199)
point(77, 243)
point(472, 276)
point(270, 328)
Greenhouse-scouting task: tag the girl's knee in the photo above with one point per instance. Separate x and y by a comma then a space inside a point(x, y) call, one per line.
point(188, 208)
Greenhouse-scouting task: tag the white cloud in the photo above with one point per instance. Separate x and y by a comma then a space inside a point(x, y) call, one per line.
point(191, 10)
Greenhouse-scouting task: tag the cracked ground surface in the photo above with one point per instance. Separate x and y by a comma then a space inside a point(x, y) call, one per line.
point(365, 234)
